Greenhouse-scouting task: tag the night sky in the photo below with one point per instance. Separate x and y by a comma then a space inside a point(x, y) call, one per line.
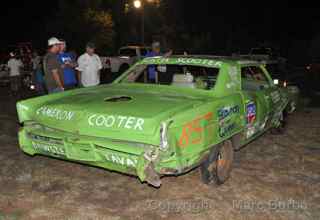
point(278, 25)
point(24, 21)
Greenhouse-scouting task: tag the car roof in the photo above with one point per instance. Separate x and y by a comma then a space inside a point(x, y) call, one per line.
point(225, 59)
point(199, 60)
point(133, 47)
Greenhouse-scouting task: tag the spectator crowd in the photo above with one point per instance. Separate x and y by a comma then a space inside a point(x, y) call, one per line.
point(63, 72)
point(58, 70)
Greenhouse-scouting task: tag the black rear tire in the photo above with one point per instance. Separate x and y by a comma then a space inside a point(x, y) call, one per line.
point(217, 168)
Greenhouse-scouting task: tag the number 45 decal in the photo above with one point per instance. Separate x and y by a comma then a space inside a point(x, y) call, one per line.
point(191, 128)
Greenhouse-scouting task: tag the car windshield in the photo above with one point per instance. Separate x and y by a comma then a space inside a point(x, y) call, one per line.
point(187, 76)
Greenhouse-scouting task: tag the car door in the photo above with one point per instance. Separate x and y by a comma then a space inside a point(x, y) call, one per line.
point(257, 88)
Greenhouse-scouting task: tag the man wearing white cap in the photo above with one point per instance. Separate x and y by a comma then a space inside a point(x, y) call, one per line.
point(52, 68)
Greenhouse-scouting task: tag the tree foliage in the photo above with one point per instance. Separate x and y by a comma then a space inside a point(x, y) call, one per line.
point(80, 21)
point(101, 24)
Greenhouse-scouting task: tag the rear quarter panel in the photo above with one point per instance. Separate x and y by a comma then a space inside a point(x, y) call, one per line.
point(195, 131)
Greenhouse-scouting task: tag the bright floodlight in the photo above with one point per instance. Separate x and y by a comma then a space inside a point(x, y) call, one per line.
point(137, 4)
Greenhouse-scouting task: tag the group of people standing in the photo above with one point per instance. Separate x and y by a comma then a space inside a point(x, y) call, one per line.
point(58, 70)
point(62, 71)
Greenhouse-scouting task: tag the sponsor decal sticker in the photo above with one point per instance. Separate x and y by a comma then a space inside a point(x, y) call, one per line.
point(252, 125)
point(224, 130)
point(251, 113)
point(226, 125)
point(225, 112)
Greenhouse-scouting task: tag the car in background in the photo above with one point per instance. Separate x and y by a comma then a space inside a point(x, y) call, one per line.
point(278, 70)
point(264, 52)
point(4, 75)
point(282, 78)
point(313, 76)
point(194, 113)
point(127, 56)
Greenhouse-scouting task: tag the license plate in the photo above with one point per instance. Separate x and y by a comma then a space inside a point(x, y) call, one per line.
point(53, 149)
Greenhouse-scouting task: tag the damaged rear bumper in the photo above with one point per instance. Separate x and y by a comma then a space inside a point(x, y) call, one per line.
point(90, 151)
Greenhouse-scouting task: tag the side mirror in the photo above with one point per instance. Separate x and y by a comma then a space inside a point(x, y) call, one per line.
point(275, 82)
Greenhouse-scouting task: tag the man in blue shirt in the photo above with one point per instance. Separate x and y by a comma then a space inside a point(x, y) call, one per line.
point(68, 65)
point(155, 52)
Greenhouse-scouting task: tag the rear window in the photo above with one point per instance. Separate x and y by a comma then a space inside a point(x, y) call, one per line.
point(253, 73)
point(187, 76)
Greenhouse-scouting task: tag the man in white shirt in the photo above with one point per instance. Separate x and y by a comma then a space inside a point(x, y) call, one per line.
point(14, 66)
point(89, 66)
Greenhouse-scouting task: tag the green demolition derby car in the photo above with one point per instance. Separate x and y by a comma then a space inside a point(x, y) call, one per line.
point(163, 116)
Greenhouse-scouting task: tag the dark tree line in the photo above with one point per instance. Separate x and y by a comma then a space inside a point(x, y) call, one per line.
point(182, 26)
point(80, 21)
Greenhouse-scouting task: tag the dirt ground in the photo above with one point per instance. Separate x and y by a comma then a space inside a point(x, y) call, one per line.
point(274, 177)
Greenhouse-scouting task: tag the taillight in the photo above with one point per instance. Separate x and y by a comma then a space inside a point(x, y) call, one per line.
point(285, 84)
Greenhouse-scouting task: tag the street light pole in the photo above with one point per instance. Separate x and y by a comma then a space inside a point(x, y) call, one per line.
point(142, 25)
point(140, 5)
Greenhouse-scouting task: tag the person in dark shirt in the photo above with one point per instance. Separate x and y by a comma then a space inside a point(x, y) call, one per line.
point(39, 79)
point(52, 68)
point(155, 52)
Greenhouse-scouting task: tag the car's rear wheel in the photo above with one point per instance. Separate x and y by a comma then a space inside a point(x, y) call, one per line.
point(217, 168)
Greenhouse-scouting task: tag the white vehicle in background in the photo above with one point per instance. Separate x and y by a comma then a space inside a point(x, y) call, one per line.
point(127, 56)
point(4, 74)
point(4, 70)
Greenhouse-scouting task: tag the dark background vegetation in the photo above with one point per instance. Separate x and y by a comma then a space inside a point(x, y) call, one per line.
point(202, 26)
